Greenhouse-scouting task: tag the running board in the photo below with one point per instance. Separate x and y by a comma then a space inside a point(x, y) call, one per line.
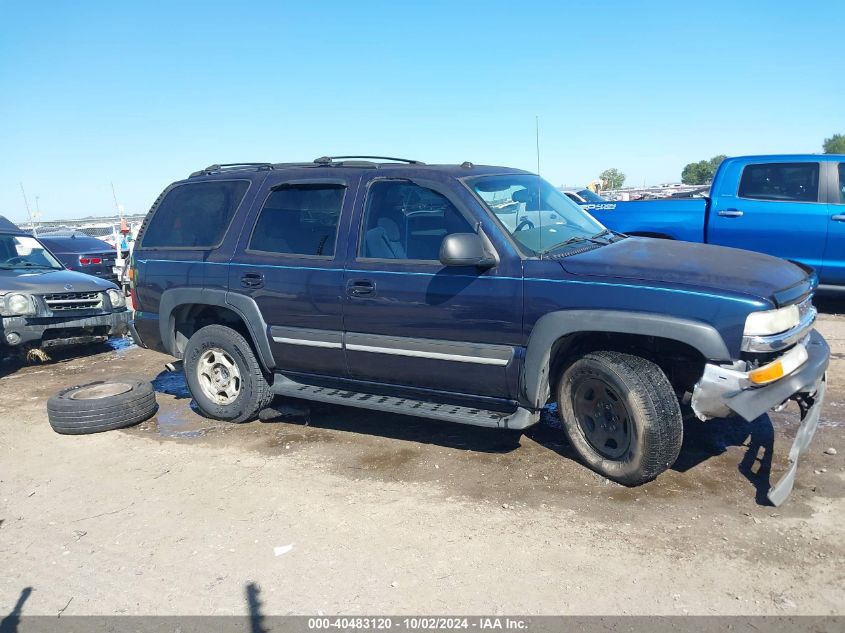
point(519, 419)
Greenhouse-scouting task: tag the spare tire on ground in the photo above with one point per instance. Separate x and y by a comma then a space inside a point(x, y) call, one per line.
point(101, 406)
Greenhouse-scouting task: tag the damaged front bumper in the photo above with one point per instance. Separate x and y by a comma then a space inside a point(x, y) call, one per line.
point(723, 391)
point(59, 331)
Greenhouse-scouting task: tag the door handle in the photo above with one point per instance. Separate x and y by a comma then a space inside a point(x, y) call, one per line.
point(252, 280)
point(731, 213)
point(838, 218)
point(360, 288)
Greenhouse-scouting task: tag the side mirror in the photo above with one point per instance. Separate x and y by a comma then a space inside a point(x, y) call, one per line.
point(465, 249)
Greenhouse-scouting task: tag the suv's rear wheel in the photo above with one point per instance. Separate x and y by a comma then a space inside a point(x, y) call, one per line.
point(224, 375)
point(621, 416)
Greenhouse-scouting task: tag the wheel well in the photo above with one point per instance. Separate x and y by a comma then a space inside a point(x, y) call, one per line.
point(682, 363)
point(189, 318)
point(660, 236)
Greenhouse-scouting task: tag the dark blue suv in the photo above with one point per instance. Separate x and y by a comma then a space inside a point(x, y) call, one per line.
point(467, 293)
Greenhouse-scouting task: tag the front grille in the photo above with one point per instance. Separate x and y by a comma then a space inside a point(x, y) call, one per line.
point(65, 301)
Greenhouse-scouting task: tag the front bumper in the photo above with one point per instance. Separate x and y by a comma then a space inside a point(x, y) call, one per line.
point(58, 331)
point(719, 394)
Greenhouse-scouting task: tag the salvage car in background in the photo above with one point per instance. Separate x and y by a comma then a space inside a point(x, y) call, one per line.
point(88, 255)
point(790, 206)
point(42, 304)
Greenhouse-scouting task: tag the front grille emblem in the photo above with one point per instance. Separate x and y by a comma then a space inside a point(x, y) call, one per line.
point(68, 286)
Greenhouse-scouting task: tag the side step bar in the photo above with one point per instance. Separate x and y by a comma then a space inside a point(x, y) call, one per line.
point(519, 419)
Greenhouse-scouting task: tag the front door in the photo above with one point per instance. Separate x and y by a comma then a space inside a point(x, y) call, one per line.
point(409, 320)
point(288, 262)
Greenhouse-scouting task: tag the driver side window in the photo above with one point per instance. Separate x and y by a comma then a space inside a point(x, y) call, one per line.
point(403, 220)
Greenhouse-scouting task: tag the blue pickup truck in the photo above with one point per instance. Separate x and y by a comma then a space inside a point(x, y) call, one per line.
point(791, 206)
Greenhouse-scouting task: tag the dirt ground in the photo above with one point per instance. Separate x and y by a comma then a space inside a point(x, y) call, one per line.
point(354, 512)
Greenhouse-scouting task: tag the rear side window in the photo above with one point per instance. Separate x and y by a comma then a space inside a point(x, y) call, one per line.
point(299, 220)
point(194, 215)
point(789, 182)
point(842, 183)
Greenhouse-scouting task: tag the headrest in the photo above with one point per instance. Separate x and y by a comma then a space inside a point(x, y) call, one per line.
point(390, 228)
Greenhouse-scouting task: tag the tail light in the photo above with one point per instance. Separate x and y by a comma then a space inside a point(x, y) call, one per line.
point(85, 261)
point(132, 274)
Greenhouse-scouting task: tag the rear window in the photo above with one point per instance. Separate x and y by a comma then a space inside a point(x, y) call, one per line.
point(789, 182)
point(76, 244)
point(299, 220)
point(194, 215)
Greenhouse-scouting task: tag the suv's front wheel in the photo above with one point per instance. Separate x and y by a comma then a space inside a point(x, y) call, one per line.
point(621, 416)
point(224, 376)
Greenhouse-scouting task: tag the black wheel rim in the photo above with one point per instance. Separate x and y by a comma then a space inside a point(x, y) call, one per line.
point(603, 417)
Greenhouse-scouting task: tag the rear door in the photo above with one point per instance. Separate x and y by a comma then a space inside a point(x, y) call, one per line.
point(777, 210)
point(833, 271)
point(412, 322)
point(287, 261)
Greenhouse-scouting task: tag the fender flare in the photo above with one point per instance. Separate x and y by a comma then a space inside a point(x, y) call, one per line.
point(534, 383)
point(245, 307)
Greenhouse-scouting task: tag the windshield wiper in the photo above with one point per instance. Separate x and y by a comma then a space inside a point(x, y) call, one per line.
point(611, 234)
point(27, 265)
point(573, 240)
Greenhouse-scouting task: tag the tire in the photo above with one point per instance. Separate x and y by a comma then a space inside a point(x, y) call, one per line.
point(645, 411)
point(101, 406)
point(218, 352)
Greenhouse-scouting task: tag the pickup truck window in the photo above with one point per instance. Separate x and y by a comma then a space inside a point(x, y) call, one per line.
point(195, 215)
point(538, 216)
point(842, 183)
point(299, 220)
point(782, 182)
point(404, 220)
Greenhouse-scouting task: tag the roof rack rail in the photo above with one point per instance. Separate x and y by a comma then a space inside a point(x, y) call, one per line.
point(218, 167)
point(327, 160)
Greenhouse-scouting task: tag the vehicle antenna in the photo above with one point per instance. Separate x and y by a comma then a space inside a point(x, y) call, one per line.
point(116, 205)
point(28, 210)
point(539, 185)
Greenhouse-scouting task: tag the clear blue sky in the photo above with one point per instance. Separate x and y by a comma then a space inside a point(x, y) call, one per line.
point(142, 93)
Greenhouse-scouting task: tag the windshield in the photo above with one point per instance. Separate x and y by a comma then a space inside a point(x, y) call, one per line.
point(589, 196)
point(22, 251)
point(538, 216)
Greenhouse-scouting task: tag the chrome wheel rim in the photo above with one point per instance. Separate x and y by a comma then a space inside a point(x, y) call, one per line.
point(219, 376)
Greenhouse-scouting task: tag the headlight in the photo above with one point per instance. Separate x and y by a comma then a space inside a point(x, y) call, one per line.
point(116, 297)
point(772, 321)
point(18, 304)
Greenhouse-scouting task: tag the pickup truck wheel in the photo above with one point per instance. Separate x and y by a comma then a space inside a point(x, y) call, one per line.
point(621, 416)
point(224, 376)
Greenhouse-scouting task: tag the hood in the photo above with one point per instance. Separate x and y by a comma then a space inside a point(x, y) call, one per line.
point(49, 281)
point(703, 266)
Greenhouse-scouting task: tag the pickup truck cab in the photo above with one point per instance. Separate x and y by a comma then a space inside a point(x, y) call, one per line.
point(790, 206)
point(467, 293)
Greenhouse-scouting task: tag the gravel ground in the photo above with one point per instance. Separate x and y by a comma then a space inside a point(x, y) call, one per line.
point(348, 511)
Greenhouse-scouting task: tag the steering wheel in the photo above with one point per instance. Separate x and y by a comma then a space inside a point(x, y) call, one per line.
point(15, 260)
point(524, 223)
